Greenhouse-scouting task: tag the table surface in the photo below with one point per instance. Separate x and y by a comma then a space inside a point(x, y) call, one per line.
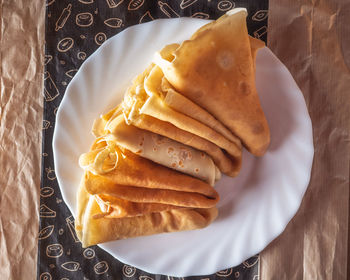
point(309, 38)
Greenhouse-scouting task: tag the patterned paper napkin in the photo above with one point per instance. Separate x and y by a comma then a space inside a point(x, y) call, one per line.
point(74, 30)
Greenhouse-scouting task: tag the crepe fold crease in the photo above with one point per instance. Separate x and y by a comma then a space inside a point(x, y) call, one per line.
point(113, 207)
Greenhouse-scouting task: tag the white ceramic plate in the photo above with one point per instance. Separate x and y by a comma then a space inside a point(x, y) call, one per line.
point(255, 207)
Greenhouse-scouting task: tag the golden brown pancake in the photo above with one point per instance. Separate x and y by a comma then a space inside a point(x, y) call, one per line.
point(159, 149)
point(215, 69)
point(226, 163)
point(92, 231)
point(118, 172)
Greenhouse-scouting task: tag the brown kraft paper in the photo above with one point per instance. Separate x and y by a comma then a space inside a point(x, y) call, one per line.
point(312, 39)
point(21, 77)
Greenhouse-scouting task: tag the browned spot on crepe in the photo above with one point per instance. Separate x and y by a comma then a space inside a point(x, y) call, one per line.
point(244, 88)
point(257, 128)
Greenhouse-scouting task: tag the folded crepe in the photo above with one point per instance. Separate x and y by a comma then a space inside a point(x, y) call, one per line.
point(226, 163)
point(97, 185)
point(112, 171)
point(144, 97)
point(91, 230)
point(215, 69)
point(157, 148)
point(180, 103)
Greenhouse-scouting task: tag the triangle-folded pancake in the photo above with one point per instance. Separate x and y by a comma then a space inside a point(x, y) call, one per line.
point(215, 70)
point(180, 103)
point(92, 231)
point(126, 168)
point(226, 163)
point(163, 150)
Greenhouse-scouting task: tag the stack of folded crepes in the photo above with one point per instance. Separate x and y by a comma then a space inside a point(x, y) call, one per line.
point(182, 122)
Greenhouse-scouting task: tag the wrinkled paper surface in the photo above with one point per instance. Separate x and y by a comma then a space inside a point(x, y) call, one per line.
point(312, 39)
point(21, 79)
